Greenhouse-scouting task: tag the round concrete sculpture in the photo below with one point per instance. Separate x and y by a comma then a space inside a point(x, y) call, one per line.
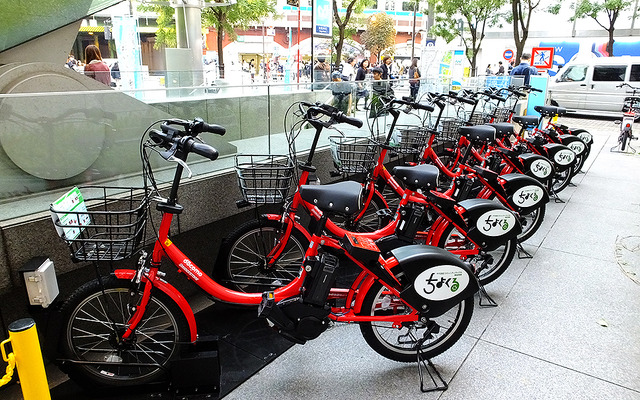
point(50, 136)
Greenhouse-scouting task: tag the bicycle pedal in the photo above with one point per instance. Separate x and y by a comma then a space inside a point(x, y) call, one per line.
point(384, 213)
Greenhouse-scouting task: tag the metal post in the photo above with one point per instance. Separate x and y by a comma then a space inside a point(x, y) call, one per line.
point(413, 34)
point(633, 20)
point(26, 347)
point(312, 34)
point(298, 72)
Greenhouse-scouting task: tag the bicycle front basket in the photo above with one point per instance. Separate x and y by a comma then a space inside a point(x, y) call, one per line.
point(448, 129)
point(410, 139)
point(353, 155)
point(107, 225)
point(264, 179)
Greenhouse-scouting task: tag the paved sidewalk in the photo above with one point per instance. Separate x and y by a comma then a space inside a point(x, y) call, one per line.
point(567, 323)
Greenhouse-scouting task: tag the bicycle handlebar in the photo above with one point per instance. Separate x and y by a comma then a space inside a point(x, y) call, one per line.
point(194, 127)
point(336, 115)
point(186, 143)
point(408, 101)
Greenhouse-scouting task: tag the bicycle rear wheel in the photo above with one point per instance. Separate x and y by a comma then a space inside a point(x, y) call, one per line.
point(400, 343)
point(94, 319)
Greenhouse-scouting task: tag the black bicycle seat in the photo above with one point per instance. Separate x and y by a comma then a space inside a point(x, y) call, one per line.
point(503, 129)
point(550, 111)
point(528, 121)
point(423, 176)
point(340, 198)
point(482, 133)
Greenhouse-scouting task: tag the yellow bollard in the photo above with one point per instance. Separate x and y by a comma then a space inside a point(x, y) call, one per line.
point(26, 347)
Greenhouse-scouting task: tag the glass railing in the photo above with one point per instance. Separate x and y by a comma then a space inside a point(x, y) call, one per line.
point(53, 141)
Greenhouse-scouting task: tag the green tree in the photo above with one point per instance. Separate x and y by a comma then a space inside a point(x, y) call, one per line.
point(225, 18)
point(166, 33)
point(594, 9)
point(347, 23)
point(476, 15)
point(380, 34)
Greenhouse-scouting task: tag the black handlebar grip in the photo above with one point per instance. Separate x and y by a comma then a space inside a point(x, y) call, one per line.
point(213, 128)
point(158, 137)
point(466, 100)
point(340, 117)
point(536, 90)
point(204, 150)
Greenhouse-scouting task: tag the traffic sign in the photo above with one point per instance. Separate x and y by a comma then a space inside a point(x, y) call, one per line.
point(542, 57)
point(508, 54)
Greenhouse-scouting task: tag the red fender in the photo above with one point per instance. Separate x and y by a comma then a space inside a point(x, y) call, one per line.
point(172, 292)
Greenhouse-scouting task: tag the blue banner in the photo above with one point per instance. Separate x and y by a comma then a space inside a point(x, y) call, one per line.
point(323, 18)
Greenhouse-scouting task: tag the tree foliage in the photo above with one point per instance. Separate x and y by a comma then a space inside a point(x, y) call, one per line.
point(347, 23)
point(596, 9)
point(166, 33)
point(476, 16)
point(225, 18)
point(380, 34)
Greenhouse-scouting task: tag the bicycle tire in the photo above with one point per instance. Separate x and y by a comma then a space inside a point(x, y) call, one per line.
point(395, 343)
point(561, 180)
point(86, 315)
point(241, 261)
point(369, 221)
point(531, 225)
point(504, 254)
point(623, 141)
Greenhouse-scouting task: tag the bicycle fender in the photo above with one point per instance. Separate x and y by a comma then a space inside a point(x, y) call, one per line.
point(277, 217)
point(524, 193)
point(489, 224)
point(436, 279)
point(170, 291)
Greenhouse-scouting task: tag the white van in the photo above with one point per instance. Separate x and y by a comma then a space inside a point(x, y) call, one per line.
point(590, 85)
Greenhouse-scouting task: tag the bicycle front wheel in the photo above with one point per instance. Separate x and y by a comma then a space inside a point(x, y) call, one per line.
point(400, 343)
point(246, 261)
point(95, 318)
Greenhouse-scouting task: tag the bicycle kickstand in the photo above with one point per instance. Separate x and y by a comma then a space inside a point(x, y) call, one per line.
point(485, 301)
point(426, 366)
point(522, 253)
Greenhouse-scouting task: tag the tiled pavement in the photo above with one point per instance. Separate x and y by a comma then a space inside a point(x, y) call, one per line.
point(567, 323)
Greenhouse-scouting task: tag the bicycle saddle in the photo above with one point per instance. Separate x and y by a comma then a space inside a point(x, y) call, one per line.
point(423, 176)
point(482, 133)
point(341, 198)
point(528, 121)
point(550, 111)
point(503, 129)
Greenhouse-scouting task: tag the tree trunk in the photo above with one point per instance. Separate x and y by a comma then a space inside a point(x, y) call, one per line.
point(220, 53)
point(610, 44)
point(339, 46)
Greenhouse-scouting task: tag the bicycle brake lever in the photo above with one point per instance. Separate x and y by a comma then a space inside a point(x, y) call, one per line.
point(183, 164)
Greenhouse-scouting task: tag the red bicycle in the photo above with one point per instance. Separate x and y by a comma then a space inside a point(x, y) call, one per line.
point(125, 328)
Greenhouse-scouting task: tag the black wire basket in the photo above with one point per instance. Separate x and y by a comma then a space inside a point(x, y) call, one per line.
point(411, 139)
point(479, 119)
point(264, 179)
point(448, 129)
point(501, 114)
point(107, 225)
point(353, 155)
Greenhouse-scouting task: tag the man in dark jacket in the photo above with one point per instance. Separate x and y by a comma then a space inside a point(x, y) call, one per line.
point(524, 69)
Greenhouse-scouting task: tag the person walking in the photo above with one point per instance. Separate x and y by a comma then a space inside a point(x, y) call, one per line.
point(361, 90)
point(348, 71)
point(414, 79)
point(524, 69)
point(500, 68)
point(94, 66)
point(386, 67)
